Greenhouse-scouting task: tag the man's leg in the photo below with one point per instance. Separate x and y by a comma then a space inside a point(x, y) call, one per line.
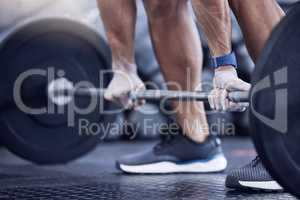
point(257, 19)
point(178, 50)
point(179, 53)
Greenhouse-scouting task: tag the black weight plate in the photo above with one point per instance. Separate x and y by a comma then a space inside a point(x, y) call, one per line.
point(64, 45)
point(276, 136)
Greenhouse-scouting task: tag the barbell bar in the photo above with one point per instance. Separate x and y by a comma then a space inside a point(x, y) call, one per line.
point(63, 88)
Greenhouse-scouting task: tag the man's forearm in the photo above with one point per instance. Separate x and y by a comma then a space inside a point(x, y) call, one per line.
point(215, 20)
point(119, 18)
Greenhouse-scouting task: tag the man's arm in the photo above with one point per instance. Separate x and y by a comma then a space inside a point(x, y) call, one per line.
point(215, 19)
point(119, 18)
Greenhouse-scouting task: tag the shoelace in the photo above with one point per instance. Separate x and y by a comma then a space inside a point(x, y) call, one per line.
point(166, 141)
point(255, 162)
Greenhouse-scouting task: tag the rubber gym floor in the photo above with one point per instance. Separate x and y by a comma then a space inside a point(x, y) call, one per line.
point(95, 177)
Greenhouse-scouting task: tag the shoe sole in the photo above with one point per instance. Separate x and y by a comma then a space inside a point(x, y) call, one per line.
point(217, 164)
point(261, 185)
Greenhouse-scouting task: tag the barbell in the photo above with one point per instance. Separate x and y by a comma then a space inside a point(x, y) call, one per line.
point(62, 91)
point(274, 97)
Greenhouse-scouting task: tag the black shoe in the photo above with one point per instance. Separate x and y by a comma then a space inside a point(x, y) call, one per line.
point(176, 154)
point(253, 176)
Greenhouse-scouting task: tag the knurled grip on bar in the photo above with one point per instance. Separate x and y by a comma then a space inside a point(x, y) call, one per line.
point(185, 95)
point(165, 94)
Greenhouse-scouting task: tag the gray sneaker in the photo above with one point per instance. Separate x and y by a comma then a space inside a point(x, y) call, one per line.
point(176, 154)
point(252, 176)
